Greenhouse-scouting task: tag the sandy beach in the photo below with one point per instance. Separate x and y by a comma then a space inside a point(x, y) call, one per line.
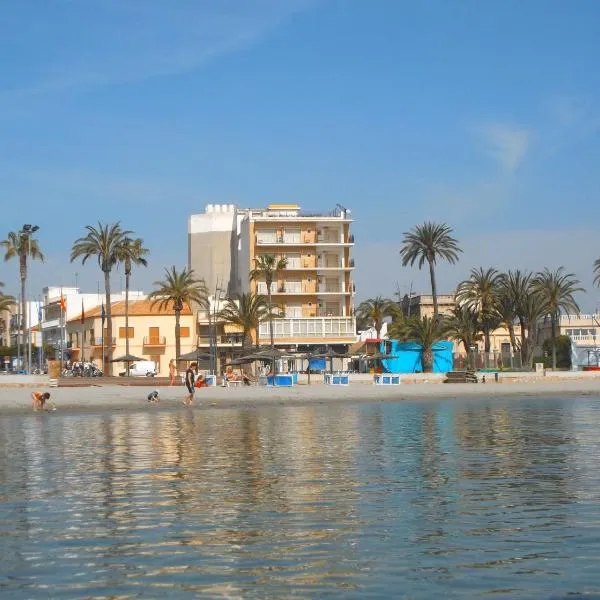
point(117, 397)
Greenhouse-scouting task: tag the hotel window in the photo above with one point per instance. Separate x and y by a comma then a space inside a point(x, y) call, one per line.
point(184, 332)
point(129, 332)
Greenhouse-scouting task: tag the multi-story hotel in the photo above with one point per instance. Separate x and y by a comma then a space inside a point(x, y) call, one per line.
point(315, 291)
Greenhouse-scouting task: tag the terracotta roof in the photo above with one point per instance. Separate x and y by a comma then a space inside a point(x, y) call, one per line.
point(137, 308)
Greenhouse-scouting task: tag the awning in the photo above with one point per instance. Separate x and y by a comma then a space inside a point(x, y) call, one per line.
point(232, 328)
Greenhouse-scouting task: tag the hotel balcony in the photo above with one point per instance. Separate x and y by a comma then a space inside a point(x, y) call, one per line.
point(158, 341)
point(301, 329)
point(97, 342)
point(299, 241)
point(322, 290)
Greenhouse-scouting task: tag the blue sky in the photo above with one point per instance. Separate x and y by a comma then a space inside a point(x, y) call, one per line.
point(482, 114)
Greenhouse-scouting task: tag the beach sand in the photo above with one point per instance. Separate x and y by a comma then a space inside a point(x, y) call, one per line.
point(119, 398)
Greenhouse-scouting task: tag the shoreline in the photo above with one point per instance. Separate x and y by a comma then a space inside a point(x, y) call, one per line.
point(81, 400)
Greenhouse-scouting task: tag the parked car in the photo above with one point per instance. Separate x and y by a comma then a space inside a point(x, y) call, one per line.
point(141, 368)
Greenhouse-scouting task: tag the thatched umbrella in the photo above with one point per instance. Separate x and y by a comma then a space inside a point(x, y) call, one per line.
point(126, 358)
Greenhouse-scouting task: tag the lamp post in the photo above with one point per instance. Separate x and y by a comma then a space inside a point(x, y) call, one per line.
point(212, 329)
point(27, 231)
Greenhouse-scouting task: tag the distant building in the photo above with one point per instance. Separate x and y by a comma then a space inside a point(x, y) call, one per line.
point(53, 321)
point(151, 334)
point(315, 291)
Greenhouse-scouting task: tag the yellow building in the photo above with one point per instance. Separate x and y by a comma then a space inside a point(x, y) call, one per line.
point(315, 291)
point(151, 334)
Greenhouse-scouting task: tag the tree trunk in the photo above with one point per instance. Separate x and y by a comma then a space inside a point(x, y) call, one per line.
point(433, 289)
point(513, 337)
point(107, 367)
point(486, 334)
point(523, 341)
point(553, 333)
point(127, 276)
point(178, 337)
point(24, 316)
point(270, 316)
point(427, 360)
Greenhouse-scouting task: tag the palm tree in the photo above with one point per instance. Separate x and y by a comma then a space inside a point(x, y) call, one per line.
point(269, 267)
point(425, 331)
point(104, 242)
point(515, 286)
point(557, 290)
point(131, 252)
point(480, 294)
point(22, 245)
point(429, 242)
point(6, 301)
point(374, 310)
point(532, 310)
point(463, 325)
point(176, 290)
point(246, 311)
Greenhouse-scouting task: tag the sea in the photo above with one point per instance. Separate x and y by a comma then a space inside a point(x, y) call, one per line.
point(462, 498)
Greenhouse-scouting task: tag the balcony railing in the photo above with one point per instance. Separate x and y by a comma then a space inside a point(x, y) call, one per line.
point(302, 241)
point(97, 341)
point(310, 327)
point(155, 340)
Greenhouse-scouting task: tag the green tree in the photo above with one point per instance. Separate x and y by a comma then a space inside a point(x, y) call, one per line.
point(373, 311)
point(246, 311)
point(426, 332)
point(268, 266)
point(22, 245)
point(480, 293)
point(131, 252)
point(103, 242)
point(177, 289)
point(557, 291)
point(6, 304)
point(563, 351)
point(462, 324)
point(429, 243)
point(515, 289)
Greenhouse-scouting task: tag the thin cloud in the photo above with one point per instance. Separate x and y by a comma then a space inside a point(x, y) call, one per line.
point(506, 144)
point(114, 42)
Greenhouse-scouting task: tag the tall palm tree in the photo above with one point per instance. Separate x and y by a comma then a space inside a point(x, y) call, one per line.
point(557, 290)
point(22, 246)
point(532, 310)
point(425, 331)
point(269, 267)
point(515, 286)
point(177, 289)
point(597, 272)
point(103, 242)
point(480, 293)
point(246, 311)
point(6, 301)
point(374, 310)
point(429, 243)
point(131, 252)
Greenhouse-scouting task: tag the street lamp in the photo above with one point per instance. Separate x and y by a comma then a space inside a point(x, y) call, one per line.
point(27, 231)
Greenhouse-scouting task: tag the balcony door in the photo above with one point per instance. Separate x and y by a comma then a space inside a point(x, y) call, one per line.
point(154, 335)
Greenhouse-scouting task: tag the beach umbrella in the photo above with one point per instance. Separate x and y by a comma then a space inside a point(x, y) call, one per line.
point(194, 355)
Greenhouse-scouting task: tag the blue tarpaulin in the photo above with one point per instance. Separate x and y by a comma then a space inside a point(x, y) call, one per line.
point(317, 364)
point(407, 357)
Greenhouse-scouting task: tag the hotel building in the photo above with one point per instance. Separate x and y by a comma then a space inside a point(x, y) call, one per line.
point(315, 291)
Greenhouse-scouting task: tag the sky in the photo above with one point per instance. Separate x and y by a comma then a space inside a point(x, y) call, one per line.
point(485, 115)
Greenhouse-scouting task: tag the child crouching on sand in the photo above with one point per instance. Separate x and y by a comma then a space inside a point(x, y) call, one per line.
point(38, 400)
point(153, 397)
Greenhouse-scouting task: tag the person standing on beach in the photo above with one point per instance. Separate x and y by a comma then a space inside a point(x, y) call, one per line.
point(172, 372)
point(190, 379)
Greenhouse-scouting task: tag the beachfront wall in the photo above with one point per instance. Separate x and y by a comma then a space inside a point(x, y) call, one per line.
point(408, 357)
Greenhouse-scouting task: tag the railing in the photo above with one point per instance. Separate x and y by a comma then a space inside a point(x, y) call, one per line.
point(595, 318)
point(97, 341)
point(310, 327)
point(155, 340)
point(588, 339)
point(224, 339)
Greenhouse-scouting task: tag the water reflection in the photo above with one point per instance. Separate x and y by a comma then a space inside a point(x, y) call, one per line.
point(487, 498)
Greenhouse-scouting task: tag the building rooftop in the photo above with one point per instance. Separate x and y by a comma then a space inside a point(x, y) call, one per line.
point(137, 308)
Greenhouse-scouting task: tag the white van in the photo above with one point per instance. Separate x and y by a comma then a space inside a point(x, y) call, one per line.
point(141, 368)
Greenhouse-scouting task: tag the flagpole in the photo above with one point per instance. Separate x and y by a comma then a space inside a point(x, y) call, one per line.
point(62, 333)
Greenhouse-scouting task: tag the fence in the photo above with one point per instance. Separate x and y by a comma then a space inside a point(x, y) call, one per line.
point(493, 360)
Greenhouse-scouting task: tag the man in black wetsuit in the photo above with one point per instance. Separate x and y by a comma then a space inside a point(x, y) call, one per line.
point(190, 379)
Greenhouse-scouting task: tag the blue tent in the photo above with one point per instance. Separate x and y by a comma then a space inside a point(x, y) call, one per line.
point(317, 364)
point(407, 357)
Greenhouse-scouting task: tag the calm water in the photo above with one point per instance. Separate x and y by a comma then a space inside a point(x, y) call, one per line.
point(397, 500)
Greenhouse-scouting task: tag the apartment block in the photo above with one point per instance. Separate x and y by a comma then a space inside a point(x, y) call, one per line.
point(315, 291)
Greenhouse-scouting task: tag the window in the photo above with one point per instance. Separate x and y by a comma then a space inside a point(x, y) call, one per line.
point(129, 332)
point(184, 332)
